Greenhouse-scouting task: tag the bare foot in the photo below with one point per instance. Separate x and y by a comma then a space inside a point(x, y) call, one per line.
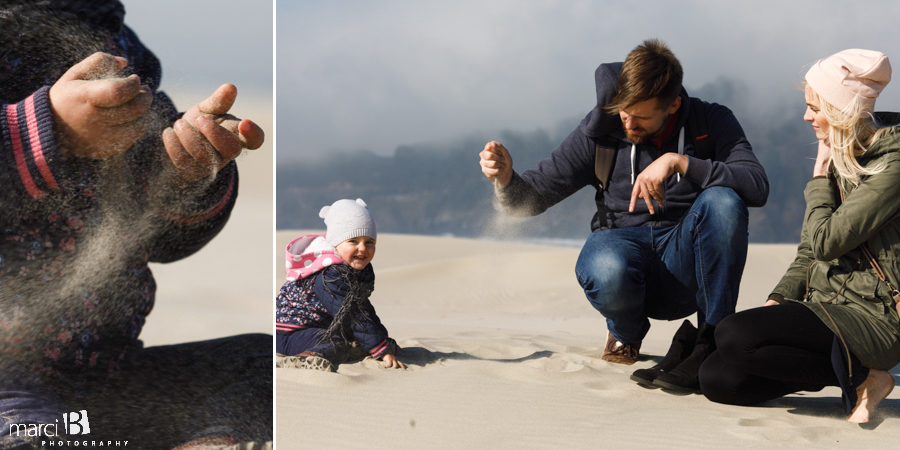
point(870, 393)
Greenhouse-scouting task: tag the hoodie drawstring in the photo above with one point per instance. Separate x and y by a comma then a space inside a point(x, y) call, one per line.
point(680, 151)
point(634, 155)
point(633, 152)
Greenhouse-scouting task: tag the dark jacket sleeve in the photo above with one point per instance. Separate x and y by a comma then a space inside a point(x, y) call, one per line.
point(186, 220)
point(331, 290)
point(569, 168)
point(735, 165)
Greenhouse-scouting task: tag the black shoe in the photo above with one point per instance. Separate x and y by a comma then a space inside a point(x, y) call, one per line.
point(682, 345)
point(684, 379)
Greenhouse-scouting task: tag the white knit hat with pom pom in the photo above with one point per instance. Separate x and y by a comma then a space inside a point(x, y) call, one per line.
point(347, 219)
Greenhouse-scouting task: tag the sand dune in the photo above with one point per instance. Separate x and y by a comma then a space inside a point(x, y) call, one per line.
point(503, 352)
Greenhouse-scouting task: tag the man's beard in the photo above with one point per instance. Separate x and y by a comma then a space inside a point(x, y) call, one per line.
point(640, 139)
point(637, 139)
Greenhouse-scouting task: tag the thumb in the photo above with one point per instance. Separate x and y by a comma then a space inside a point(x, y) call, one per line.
point(98, 65)
point(220, 101)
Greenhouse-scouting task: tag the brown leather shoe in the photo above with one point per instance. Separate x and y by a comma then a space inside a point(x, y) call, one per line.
point(620, 353)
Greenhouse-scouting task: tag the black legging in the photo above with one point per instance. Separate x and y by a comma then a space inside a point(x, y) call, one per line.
point(765, 353)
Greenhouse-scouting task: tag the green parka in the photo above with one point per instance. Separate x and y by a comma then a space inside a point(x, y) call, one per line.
point(832, 276)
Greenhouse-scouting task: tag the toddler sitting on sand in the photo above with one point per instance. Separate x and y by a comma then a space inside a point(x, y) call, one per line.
point(323, 312)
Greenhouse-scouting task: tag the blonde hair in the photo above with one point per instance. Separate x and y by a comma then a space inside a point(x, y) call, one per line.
point(851, 132)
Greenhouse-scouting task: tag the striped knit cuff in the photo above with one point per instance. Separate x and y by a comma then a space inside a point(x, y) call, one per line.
point(386, 346)
point(379, 349)
point(28, 134)
point(287, 327)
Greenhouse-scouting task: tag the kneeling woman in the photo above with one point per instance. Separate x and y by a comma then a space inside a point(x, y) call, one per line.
point(832, 320)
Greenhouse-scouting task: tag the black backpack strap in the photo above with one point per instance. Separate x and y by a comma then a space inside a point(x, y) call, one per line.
point(604, 159)
point(698, 130)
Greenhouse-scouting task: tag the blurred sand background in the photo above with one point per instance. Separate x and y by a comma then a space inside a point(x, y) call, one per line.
point(503, 352)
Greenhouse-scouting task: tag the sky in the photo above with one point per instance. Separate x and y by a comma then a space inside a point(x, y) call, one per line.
point(204, 43)
point(374, 75)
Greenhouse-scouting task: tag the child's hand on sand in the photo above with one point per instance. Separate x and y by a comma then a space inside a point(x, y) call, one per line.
point(391, 362)
point(97, 113)
point(206, 138)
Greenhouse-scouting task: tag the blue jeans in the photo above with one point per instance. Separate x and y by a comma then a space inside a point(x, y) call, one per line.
point(668, 272)
point(335, 349)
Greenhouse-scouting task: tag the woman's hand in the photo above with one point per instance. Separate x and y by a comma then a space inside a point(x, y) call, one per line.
point(823, 160)
point(771, 302)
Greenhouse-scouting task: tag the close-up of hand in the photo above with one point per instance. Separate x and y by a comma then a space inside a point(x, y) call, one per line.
point(97, 113)
point(206, 138)
point(496, 164)
point(391, 362)
point(823, 159)
point(649, 184)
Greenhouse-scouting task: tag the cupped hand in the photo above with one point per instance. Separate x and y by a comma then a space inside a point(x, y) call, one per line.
point(496, 164)
point(96, 112)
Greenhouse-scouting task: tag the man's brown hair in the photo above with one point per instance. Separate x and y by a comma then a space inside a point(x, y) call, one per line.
point(651, 70)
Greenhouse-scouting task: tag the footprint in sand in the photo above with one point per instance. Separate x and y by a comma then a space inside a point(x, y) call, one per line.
point(555, 363)
point(767, 429)
point(758, 422)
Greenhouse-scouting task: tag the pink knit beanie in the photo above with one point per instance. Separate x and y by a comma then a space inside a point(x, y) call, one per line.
point(847, 74)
